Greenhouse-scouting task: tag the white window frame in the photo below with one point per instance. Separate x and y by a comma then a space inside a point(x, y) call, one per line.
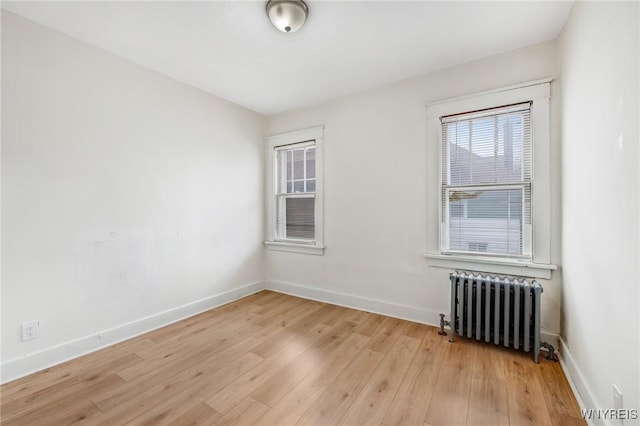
point(275, 143)
point(538, 93)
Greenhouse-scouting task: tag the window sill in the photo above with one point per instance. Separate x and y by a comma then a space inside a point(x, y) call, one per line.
point(491, 265)
point(295, 248)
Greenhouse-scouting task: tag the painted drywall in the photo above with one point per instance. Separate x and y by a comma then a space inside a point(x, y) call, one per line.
point(598, 51)
point(126, 196)
point(376, 189)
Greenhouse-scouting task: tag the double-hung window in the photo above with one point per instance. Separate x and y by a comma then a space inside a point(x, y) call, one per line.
point(486, 182)
point(488, 179)
point(294, 193)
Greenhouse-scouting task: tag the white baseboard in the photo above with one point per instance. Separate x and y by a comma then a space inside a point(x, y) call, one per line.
point(19, 367)
point(411, 313)
point(585, 397)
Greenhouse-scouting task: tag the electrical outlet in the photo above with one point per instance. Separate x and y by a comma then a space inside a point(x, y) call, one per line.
point(617, 398)
point(30, 330)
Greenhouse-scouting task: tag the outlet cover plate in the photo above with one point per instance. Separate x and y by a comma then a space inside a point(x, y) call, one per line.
point(30, 330)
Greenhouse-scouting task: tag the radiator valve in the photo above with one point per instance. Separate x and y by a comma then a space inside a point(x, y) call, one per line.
point(443, 323)
point(551, 355)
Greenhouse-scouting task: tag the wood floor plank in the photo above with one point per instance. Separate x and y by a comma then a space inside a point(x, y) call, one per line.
point(336, 400)
point(294, 319)
point(336, 314)
point(367, 323)
point(416, 330)
point(558, 419)
point(285, 334)
point(61, 414)
point(71, 386)
point(524, 393)
point(412, 400)
point(74, 370)
point(245, 413)
point(64, 410)
point(221, 327)
point(489, 359)
point(172, 408)
point(280, 304)
point(244, 385)
point(209, 318)
point(450, 399)
point(207, 345)
point(487, 401)
point(200, 415)
point(179, 376)
point(176, 405)
point(281, 383)
point(171, 376)
point(561, 403)
point(287, 311)
point(376, 396)
point(274, 359)
point(289, 409)
point(155, 404)
point(387, 334)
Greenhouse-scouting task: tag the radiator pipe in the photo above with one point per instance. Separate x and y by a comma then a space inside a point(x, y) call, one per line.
point(551, 355)
point(443, 324)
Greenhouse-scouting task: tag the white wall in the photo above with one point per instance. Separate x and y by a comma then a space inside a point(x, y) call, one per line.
point(599, 52)
point(125, 195)
point(376, 189)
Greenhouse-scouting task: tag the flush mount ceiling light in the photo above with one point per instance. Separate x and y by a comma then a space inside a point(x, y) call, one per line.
point(287, 15)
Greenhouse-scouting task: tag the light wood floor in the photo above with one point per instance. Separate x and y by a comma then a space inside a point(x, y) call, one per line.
point(276, 360)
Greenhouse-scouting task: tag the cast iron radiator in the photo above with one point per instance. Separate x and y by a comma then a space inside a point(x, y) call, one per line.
point(502, 310)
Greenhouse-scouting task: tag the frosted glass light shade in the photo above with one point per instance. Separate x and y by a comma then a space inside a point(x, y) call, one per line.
point(287, 15)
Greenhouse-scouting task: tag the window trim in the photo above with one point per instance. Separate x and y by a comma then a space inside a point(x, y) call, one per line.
point(274, 143)
point(538, 92)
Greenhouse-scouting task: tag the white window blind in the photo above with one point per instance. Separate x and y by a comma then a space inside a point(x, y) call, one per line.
point(296, 192)
point(486, 182)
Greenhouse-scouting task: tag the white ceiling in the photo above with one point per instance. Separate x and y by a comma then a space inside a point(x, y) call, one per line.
point(230, 49)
